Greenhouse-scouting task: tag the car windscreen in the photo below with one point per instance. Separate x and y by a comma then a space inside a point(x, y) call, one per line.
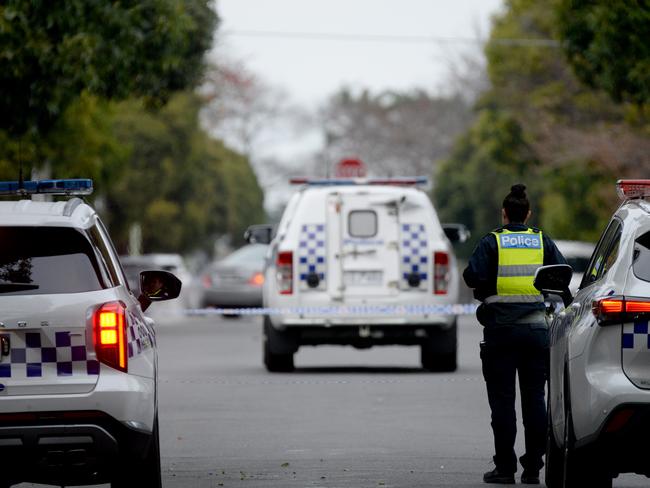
point(45, 260)
point(641, 265)
point(247, 255)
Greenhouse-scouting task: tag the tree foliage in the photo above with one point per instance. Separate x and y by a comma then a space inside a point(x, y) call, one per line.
point(51, 52)
point(183, 187)
point(606, 42)
point(394, 133)
point(572, 141)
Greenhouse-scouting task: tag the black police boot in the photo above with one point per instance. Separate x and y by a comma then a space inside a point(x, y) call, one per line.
point(530, 477)
point(497, 477)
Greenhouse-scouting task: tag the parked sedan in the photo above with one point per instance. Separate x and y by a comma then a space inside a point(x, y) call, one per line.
point(236, 281)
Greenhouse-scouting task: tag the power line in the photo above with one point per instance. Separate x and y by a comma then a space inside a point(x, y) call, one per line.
point(329, 36)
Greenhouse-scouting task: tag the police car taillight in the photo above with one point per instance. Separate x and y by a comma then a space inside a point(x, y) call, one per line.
point(611, 310)
point(441, 273)
point(627, 189)
point(284, 272)
point(110, 335)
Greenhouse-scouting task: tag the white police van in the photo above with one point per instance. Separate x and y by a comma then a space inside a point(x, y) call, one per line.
point(360, 262)
point(599, 386)
point(78, 396)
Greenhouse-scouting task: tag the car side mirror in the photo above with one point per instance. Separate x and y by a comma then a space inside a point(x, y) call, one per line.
point(260, 234)
point(157, 286)
point(456, 233)
point(555, 280)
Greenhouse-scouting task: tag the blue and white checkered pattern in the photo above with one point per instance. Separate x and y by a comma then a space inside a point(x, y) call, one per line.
point(38, 355)
point(636, 336)
point(414, 255)
point(312, 255)
point(138, 337)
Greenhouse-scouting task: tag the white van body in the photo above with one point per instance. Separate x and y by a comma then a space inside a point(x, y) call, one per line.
point(357, 253)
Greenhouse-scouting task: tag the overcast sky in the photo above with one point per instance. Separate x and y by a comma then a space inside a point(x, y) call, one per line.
point(311, 69)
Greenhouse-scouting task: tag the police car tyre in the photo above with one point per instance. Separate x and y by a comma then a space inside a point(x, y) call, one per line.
point(439, 352)
point(579, 468)
point(144, 473)
point(554, 473)
point(279, 348)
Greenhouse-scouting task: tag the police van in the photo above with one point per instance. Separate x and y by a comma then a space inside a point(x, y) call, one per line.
point(360, 262)
point(78, 395)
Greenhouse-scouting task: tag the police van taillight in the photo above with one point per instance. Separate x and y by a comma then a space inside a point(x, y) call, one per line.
point(617, 310)
point(440, 273)
point(109, 324)
point(284, 272)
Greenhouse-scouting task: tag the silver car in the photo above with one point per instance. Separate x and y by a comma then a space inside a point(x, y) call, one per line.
point(236, 281)
point(599, 391)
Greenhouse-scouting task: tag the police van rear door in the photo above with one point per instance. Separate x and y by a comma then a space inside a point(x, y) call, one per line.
point(363, 244)
point(49, 283)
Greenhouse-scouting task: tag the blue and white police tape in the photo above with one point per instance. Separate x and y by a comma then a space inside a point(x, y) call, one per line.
point(344, 311)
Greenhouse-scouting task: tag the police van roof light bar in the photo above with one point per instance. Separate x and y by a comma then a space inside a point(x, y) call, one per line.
point(67, 187)
point(628, 189)
point(396, 181)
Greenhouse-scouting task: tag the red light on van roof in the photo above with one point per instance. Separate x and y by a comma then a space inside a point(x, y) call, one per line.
point(627, 189)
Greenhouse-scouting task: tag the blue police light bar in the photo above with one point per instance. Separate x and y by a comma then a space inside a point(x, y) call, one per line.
point(396, 181)
point(47, 187)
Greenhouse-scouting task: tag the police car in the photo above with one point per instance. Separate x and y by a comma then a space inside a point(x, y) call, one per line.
point(360, 262)
point(599, 394)
point(78, 396)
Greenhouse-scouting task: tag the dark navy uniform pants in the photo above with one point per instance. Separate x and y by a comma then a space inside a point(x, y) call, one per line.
point(508, 351)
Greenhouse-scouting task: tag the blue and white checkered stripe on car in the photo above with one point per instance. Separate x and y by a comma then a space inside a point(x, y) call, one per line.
point(414, 255)
point(636, 336)
point(38, 355)
point(312, 255)
point(138, 337)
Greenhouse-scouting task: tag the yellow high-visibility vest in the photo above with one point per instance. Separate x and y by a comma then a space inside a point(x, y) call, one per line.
point(521, 253)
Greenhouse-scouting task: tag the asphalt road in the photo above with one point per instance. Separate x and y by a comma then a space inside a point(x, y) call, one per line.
point(345, 418)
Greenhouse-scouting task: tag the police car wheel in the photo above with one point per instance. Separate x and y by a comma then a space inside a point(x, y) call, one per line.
point(554, 460)
point(580, 468)
point(144, 473)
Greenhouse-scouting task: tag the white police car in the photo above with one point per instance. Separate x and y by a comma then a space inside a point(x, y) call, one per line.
point(360, 262)
point(599, 394)
point(78, 396)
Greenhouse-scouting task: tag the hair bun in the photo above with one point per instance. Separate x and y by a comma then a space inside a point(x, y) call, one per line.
point(518, 190)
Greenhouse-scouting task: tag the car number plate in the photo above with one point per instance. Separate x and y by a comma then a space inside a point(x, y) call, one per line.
point(364, 278)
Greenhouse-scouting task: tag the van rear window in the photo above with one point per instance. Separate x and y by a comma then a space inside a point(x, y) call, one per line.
point(45, 260)
point(641, 265)
point(362, 223)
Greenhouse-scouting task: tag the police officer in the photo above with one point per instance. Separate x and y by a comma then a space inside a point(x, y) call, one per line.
point(515, 336)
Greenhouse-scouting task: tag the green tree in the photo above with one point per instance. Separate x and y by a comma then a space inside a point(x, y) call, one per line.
point(183, 187)
point(51, 52)
point(606, 42)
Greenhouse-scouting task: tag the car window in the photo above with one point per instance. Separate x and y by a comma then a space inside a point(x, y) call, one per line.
point(47, 260)
point(641, 265)
point(362, 223)
point(605, 254)
point(251, 254)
